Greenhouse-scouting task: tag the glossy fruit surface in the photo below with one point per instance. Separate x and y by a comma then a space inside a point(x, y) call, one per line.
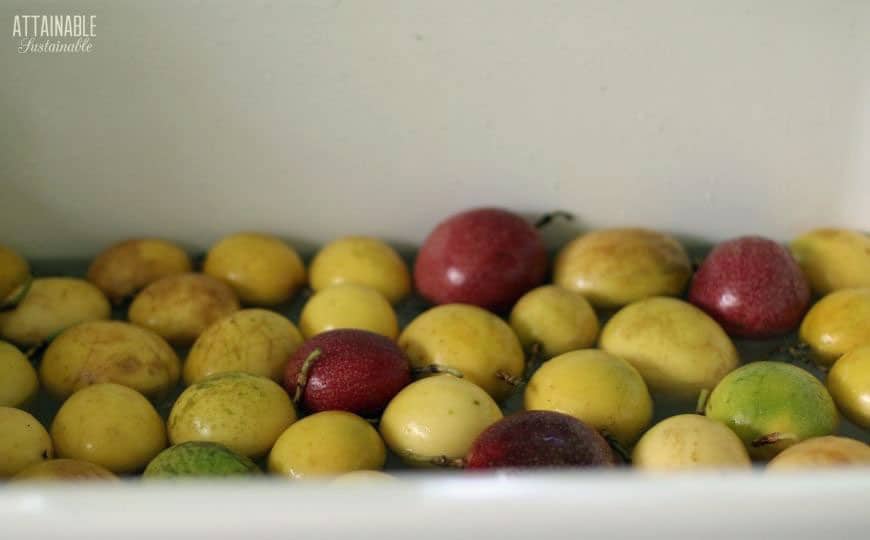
point(833, 259)
point(23, 441)
point(822, 452)
point(243, 412)
point(109, 351)
point(348, 306)
point(469, 339)
point(555, 319)
point(261, 268)
point(52, 305)
point(689, 441)
point(772, 400)
point(354, 370)
point(598, 388)
point(849, 385)
point(437, 416)
point(255, 341)
point(361, 260)
point(539, 439)
point(677, 348)
point(110, 425)
point(18, 382)
point(125, 268)
point(752, 286)
point(486, 257)
point(199, 459)
point(328, 443)
point(837, 324)
point(615, 267)
point(180, 307)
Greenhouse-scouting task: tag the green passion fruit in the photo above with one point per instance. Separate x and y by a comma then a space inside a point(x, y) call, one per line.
point(771, 406)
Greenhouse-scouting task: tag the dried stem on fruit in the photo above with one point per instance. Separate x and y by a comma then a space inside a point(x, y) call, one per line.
point(436, 368)
point(773, 438)
point(534, 359)
point(510, 379)
point(617, 447)
point(302, 378)
point(444, 461)
point(547, 218)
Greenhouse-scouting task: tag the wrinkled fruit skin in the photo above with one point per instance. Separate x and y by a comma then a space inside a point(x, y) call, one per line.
point(753, 287)
point(536, 439)
point(487, 257)
point(357, 371)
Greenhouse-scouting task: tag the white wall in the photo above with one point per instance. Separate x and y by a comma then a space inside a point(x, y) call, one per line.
point(318, 118)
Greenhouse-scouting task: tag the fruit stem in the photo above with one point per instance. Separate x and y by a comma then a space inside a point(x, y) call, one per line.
point(436, 461)
point(547, 218)
point(773, 438)
point(510, 379)
point(702, 401)
point(437, 368)
point(795, 352)
point(534, 359)
point(444, 461)
point(617, 447)
point(17, 295)
point(302, 378)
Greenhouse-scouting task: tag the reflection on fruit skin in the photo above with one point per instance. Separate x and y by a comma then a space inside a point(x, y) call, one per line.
point(837, 324)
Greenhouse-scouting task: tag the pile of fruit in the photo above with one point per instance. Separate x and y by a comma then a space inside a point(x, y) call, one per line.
point(629, 357)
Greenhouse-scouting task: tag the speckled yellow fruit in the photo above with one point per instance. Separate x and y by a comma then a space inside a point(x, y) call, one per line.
point(849, 385)
point(261, 268)
point(556, 319)
point(677, 348)
point(110, 425)
point(109, 351)
point(125, 268)
point(18, 382)
point(64, 470)
point(615, 267)
point(822, 452)
point(838, 323)
point(689, 441)
point(437, 416)
point(598, 388)
point(51, 305)
point(833, 259)
point(468, 339)
point(23, 441)
point(243, 412)
point(357, 478)
point(326, 444)
point(348, 306)
point(255, 341)
point(14, 275)
point(361, 260)
point(180, 307)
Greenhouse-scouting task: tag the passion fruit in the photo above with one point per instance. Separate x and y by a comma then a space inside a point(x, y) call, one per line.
point(773, 405)
point(822, 452)
point(199, 458)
